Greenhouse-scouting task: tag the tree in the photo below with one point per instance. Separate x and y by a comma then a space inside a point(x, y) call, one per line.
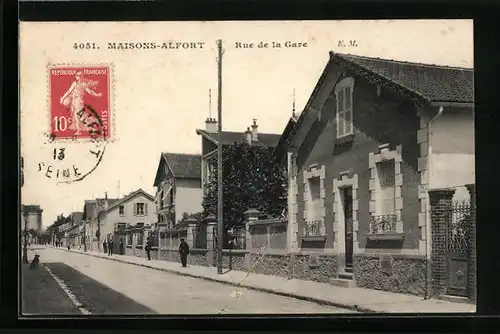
point(251, 179)
point(199, 216)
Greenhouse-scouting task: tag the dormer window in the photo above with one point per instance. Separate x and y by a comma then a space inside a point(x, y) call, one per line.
point(343, 95)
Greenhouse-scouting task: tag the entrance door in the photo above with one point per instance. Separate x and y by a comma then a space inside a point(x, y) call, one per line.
point(458, 247)
point(347, 195)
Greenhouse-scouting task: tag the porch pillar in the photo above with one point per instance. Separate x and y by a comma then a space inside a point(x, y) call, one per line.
point(472, 279)
point(211, 222)
point(441, 203)
point(191, 230)
point(251, 215)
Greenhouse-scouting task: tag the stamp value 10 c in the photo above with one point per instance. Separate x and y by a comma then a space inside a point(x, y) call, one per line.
point(80, 102)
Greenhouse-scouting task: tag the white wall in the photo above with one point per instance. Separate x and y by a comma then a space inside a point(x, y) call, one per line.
point(111, 219)
point(189, 197)
point(452, 149)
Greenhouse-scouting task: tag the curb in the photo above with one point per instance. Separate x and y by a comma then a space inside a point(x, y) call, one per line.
point(355, 308)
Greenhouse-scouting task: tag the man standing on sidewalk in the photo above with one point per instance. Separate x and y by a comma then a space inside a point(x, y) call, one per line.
point(104, 247)
point(110, 247)
point(148, 248)
point(183, 251)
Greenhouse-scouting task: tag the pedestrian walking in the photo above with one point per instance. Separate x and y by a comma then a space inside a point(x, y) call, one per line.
point(121, 247)
point(183, 251)
point(110, 247)
point(105, 247)
point(148, 248)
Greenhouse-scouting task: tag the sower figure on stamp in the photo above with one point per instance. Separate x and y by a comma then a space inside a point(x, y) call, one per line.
point(183, 251)
point(74, 98)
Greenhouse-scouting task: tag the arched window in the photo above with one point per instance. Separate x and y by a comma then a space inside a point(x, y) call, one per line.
point(343, 95)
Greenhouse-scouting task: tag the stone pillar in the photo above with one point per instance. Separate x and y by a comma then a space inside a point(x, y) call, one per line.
point(250, 215)
point(440, 201)
point(191, 230)
point(472, 279)
point(211, 222)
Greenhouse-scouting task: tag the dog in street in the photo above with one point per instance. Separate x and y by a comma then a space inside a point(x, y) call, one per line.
point(35, 262)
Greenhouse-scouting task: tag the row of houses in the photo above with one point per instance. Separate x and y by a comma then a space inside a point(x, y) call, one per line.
point(376, 160)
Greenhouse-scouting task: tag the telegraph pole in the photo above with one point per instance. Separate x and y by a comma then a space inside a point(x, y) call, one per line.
point(220, 221)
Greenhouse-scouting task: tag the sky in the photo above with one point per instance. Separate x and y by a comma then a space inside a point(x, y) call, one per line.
point(159, 97)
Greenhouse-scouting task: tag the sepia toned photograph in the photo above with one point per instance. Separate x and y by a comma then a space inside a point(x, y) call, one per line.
point(247, 167)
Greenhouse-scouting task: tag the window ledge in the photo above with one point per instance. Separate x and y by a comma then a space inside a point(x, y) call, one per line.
point(344, 140)
point(314, 238)
point(386, 236)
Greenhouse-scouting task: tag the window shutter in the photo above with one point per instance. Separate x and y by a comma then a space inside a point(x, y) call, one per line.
point(135, 209)
point(145, 208)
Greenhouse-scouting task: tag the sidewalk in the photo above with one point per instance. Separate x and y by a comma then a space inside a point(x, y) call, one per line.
point(357, 299)
point(40, 293)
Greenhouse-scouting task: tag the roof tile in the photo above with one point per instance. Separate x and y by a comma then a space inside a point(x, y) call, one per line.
point(432, 82)
point(184, 165)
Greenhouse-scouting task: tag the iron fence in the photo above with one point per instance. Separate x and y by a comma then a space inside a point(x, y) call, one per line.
point(383, 224)
point(313, 228)
point(460, 218)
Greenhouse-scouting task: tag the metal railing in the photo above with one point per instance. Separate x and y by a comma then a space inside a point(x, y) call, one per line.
point(313, 228)
point(383, 224)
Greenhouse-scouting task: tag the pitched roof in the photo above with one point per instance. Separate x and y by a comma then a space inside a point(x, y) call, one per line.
point(229, 137)
point(184, 165)
point(427, 82)
point(76, 216)
point(90, 208)
point(286, 136)
point(118, 202)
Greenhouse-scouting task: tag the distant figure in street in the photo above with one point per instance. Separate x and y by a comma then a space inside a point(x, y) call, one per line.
point(148, 248)
point(183, 251)
point(121, 247)
point(69, 247)
point(110, 247)
point(104, 247)
point(35, 262)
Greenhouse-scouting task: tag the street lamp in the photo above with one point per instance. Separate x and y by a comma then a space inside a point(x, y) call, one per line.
point(25, 248)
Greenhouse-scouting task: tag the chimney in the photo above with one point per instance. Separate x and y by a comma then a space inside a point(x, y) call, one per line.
point(248, 136)
point(211, 125)
point(254, 131)
point(105, 195)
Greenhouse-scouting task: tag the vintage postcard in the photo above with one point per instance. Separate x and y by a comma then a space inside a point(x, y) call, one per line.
point(213, 168)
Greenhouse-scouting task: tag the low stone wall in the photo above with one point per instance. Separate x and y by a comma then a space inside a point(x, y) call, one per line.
point(406, 274)
point(234, 259)
point(318, 267)
point(198, 257)
point(129, 251)
point(277, 264)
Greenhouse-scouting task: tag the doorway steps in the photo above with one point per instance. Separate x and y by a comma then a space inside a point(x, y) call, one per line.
point(344, 280)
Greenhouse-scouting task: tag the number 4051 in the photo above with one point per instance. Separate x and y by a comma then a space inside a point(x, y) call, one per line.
point(61, 123)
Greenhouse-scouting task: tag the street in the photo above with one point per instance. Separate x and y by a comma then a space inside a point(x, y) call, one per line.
point(100, 286)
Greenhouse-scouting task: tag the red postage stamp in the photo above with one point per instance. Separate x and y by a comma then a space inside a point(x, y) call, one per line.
point(80, 102)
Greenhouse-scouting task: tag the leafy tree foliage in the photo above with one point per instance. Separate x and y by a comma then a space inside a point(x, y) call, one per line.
point(251, 179)
point(199, 216)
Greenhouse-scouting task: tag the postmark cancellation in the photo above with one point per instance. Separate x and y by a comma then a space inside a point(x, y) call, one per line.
point(81, 120)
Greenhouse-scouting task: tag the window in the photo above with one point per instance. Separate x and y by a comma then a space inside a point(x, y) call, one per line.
point(141, 209)
point(121, 209)
point(343, 95)
point(314, 204)
point(140, 224)
point(387, 190)
point(121, 226)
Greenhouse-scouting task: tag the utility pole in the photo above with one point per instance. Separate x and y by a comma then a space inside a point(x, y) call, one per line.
point(220, 221)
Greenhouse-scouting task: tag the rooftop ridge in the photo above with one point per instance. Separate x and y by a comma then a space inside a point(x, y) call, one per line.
point(405, 62)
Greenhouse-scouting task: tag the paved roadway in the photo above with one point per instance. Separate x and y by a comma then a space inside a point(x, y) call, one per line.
point(102, 286)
